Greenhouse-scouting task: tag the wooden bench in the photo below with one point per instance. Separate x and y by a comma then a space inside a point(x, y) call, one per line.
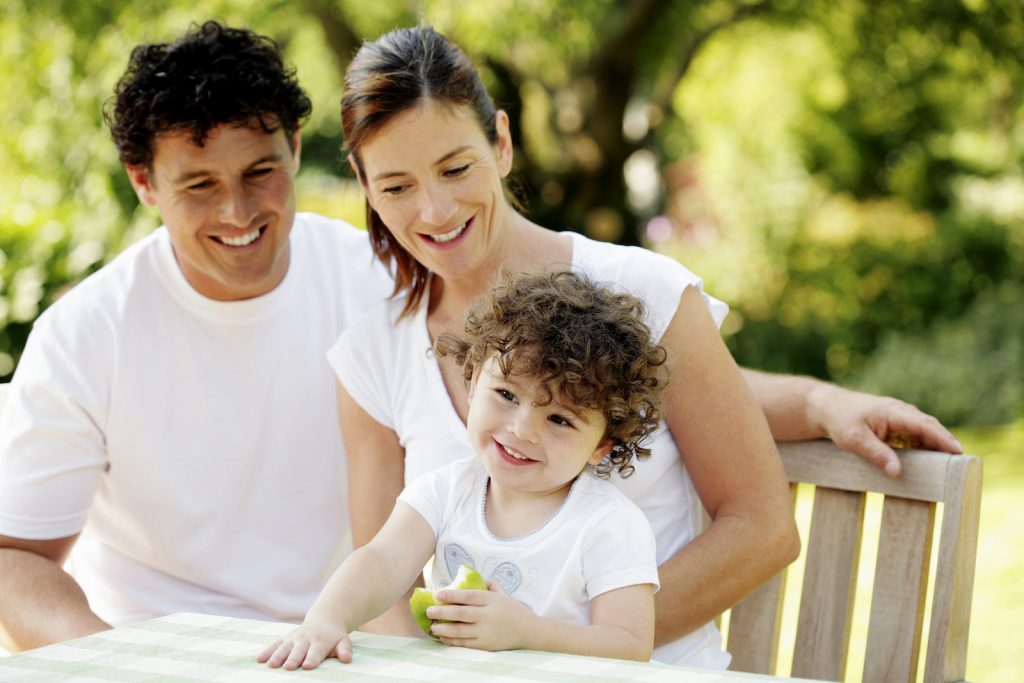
point(899, 601)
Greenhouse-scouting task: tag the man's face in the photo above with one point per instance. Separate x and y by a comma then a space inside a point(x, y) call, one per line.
point(228, 206)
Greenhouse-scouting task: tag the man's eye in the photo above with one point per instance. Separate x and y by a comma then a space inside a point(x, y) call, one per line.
point(257, 172)
point(202, 185)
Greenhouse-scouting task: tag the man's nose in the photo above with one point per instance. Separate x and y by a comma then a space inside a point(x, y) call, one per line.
point(238, 206)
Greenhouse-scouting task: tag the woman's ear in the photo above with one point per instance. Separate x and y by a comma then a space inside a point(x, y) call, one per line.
point(353, 163)
point(504, 144)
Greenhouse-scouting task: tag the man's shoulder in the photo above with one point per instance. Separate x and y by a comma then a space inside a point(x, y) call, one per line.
point(320, 231)
point(338, 247)
point(110, 286)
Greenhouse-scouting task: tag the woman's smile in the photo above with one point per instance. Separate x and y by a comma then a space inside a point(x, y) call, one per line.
point(450, 238)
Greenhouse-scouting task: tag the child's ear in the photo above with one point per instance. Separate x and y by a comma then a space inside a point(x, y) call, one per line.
point(603, 449)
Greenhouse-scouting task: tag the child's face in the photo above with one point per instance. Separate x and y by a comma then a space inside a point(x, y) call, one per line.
point(527, 447)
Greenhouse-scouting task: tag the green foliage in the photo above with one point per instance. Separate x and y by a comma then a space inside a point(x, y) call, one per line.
point(835, 171)
point(964, 371)
point(853, 172)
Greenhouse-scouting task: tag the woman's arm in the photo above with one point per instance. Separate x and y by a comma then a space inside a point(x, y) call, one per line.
point(800, 408)
point(376, 475)
point(725, 443)
point(367, 582)
point(621, 623)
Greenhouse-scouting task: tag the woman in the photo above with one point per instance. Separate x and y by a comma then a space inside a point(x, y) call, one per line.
point(431, 153)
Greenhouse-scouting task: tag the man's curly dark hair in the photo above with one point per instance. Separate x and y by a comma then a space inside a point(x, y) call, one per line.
point(585, 343)
point(211, 76)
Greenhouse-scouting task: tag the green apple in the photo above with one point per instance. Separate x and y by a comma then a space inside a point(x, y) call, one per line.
point(466, 579)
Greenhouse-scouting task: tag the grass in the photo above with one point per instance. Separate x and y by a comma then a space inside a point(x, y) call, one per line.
point(998, 607)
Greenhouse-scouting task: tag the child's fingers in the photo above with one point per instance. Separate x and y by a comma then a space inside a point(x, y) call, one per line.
point(314, 655)
point(296, 656)
point(265, 654)
point(343, 650)
point(450, 630)
point(465, 614)
point(463, 597)
point(280, 653)
point(457, 642)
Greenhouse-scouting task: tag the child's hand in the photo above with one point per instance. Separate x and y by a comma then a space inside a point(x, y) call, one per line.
point(309, 645)
point(485, 620)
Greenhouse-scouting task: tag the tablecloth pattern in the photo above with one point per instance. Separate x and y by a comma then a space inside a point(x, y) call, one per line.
point(195, 647)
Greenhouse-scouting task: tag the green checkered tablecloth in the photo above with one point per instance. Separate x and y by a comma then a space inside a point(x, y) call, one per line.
point(197, 647)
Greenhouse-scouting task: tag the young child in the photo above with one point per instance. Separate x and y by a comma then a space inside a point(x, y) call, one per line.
point(564, 378)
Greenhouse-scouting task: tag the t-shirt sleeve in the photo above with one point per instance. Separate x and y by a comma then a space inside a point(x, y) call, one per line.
point(52, 445)
point(656, 279)
point(619, 551)
point(362, 362)
point(660, 281)
point(428, 495)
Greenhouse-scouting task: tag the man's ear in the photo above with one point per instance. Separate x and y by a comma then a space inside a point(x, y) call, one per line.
point(603, 449)
point(504, 144)
point(142, 182)
point(296, 145)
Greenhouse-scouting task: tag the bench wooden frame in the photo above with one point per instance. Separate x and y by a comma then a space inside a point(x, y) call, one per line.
point(841, 481)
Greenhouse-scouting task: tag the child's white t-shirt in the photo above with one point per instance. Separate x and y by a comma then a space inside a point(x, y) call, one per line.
point(596, 542)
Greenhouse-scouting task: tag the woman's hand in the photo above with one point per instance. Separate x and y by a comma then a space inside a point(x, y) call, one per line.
point(870, 425)
point(308, 645)
point(485, 620)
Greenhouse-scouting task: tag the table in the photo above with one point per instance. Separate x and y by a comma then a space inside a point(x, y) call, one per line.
point(196, 647)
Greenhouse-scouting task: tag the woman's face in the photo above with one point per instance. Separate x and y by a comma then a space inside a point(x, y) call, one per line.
point(436, 183)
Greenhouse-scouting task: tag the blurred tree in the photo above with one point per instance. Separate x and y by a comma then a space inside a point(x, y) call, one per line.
point(833, 169)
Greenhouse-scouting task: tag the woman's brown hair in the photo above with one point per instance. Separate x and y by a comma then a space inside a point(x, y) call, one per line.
point(391, 75)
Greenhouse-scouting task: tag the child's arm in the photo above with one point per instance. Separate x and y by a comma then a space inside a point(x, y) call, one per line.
point(622, 623)
point(367, 583)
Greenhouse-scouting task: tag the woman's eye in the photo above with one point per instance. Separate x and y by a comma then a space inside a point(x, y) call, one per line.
point(393, 189)
point(456, 172)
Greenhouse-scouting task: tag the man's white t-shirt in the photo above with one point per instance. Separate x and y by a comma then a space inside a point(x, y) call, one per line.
point(388, 369)
point(194, 443)
point(596, 542)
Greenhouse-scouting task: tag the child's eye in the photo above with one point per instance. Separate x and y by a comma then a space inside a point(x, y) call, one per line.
point(506, 394)
point(456, 172)
point(560, 420)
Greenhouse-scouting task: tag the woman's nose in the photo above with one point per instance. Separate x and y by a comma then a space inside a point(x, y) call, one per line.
point(437, 206)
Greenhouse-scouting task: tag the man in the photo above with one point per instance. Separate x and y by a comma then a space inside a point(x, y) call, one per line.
point(173, 416)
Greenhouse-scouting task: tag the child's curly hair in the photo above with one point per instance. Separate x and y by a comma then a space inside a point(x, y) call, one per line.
point(583, 342)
